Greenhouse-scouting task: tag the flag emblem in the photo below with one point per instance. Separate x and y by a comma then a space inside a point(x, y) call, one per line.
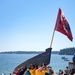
point(62, 25)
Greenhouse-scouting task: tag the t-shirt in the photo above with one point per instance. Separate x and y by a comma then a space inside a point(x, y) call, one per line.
point(44, 71)
point(37, 72)
point(32, 71)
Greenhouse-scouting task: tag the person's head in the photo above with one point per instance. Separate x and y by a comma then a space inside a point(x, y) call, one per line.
point(66, 67)
point(49, 67)
point(18, 69)
point(43, 66)
point(36, 67)
point(22, 68)
point(40, 68)
point(32, 66)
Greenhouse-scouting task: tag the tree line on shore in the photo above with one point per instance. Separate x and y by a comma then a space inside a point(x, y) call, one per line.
point(65, 51)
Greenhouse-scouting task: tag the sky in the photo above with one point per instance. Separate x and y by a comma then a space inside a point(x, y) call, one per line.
point(28, 25)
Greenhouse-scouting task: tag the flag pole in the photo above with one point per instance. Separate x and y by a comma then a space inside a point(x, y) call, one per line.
point(52, 38)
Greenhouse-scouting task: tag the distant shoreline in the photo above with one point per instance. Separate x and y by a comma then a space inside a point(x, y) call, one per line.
point(27, 52)
point(65, 51)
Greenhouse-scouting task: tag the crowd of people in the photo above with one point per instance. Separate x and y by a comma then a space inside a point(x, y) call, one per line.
point(67, 71)
point(44, 70)
point(35, 70)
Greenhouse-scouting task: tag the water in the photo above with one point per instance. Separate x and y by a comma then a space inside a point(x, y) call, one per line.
point(9, 61)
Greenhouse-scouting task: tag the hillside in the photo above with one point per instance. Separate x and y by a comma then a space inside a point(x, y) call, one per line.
point(67, 51)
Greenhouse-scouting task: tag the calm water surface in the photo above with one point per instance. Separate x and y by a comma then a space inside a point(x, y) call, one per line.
point(9, 61)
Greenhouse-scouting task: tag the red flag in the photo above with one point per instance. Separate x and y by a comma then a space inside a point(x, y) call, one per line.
point(62, 25)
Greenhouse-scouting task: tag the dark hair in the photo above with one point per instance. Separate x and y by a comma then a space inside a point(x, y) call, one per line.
point(32, 66)
point(47, 74)
point(43, 64)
